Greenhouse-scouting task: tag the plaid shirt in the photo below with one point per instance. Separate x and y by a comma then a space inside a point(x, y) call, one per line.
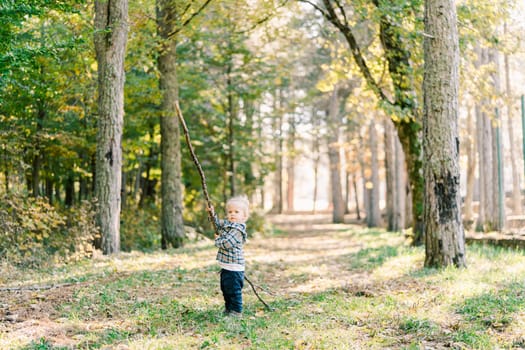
point(231, 238)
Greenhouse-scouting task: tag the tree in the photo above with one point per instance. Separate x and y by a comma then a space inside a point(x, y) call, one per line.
point(335, 106)
point(111, 26)
point(444, 236)
point(403, 108)
point(172, 226)
point(516, 192)
point(171, 18)
point(373, 213)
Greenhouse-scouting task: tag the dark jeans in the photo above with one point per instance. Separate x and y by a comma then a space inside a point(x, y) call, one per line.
point(231, 287)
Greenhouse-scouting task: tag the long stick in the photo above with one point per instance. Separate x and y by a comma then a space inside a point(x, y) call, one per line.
point(257, 294)
point(211, 214)
point(205, 187)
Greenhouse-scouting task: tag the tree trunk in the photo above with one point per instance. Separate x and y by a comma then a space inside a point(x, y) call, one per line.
point(400, 183)
point(390, 176)
point(357, 209)
point(364, 177)
point(277, 206)
point(111, 27)
point(484, 140)
point(316, 153)
point(444, 236)
point(470, 151)
point(69, 188)
point(498, 215)
point(37, 153)
point(172, 226)
point(290, 164)
point(373, 217)
point(348, 179)
point(516, 192)
point(334, 158)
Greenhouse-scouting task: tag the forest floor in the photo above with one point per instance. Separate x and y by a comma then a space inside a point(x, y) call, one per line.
point(331, 286)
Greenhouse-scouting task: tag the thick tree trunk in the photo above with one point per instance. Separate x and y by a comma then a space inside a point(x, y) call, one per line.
point(172, 226)
point(111, 27)
point(444, 236)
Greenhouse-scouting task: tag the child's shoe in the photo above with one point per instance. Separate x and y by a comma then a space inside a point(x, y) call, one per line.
point(235, 314)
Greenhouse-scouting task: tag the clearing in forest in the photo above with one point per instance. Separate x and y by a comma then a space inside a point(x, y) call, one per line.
point(331, 287)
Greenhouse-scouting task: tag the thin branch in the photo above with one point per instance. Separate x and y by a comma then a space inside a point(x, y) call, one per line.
point(262, 20)
point(211, 214)
point(257, 294)
point(315, 6)
point(343, 13)
point(45, 287)
point(356, 51)
point(188, 20)
point(188, 6)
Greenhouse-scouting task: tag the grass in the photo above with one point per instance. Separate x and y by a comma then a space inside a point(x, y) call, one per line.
point(333, 287)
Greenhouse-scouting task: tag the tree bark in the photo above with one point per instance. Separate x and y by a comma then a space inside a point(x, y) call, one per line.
point(400, 183)
point(498, 215)
point(444, 236)
point(316, 154)
point(390, 177)
point(172, 226)
point(111, 25)
point(373, 217)
point(470, 151)
point(277, 201)
point(290, 164)
point(334, 158)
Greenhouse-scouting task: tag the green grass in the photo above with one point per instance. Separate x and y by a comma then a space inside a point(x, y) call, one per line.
point(367, 290)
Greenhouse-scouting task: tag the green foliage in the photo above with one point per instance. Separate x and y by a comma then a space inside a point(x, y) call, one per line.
point(34, 233)
point(258, 224)
point(140, 229)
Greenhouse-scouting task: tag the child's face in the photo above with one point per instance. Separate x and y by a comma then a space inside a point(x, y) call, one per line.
point(236, 213)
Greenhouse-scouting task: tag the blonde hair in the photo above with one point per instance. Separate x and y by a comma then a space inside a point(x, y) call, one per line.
point(241, 201)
